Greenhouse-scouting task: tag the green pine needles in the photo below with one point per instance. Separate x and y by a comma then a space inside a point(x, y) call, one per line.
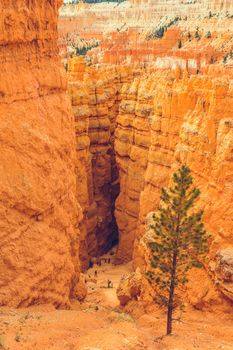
point(180, 241)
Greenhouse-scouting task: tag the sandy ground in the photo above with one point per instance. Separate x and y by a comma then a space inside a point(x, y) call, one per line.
point(98, 324)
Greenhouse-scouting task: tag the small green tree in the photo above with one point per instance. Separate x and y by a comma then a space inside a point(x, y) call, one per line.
point(179, 242)
point(197, 34)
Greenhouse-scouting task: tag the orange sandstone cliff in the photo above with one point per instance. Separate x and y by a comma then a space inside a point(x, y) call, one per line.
point(149, 105)
point(95, 97)
point(164, 121)
point(176, 109)
point(39, 214)
point(163, 118)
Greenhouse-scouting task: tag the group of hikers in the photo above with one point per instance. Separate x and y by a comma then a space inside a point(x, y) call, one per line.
point(98, 263)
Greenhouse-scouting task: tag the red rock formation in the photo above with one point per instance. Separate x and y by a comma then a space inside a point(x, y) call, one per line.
point(95, 99)
point(178, 109)
point(165, 121)
point(38, 209)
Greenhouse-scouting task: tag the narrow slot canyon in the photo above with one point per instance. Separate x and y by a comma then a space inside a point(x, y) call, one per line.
point(95, 103)
point(101, 102)
point(96, 171)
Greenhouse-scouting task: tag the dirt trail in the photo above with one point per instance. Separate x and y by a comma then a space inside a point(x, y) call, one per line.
point(104, 273)
point(99, 324)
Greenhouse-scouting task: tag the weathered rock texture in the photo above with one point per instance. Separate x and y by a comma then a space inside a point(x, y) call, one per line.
point(128, 33)
point(38, 208)
point(165, 120)
point(177, 109)
point(129, 287)
point(95, 100)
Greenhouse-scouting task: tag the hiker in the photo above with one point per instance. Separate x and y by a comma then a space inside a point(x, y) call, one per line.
point(109, 284)
point(109, 261)
point(96, 273)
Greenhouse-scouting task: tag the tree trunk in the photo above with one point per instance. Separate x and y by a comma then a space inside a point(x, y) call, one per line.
point(171, 295)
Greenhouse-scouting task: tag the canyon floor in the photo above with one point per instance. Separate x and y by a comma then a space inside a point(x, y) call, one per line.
point(99, 323)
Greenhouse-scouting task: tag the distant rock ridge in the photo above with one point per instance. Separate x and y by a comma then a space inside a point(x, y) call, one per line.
point(159, 33)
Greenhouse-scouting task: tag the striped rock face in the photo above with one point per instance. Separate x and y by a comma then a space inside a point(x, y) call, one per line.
point(39, 214)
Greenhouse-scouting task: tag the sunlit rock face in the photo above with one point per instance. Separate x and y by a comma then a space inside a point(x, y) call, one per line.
point(39, 213)
point(128, 33)
point(176, 109)
point(165, 120)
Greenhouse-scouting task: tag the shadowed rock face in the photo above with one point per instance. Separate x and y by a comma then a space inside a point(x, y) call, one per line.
point(95, 100)
point(38, 209)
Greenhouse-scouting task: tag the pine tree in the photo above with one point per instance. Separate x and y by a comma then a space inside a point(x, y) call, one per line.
point(180, 241)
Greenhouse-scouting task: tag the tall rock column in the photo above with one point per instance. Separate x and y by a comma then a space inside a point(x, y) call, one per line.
point(39, 213)
point(132, 142)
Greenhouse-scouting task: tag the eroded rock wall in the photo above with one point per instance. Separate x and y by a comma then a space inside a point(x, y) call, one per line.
point(95, 97)
point(166, 120)
point(178, 109)
point(163, 119)
point(39, 214)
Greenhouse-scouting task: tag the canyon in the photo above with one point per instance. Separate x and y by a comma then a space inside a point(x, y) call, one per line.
point(100, 104)
point(144, 114)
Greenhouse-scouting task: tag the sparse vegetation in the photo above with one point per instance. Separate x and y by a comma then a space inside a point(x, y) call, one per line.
point(159, 33)
point(180, 241)
point(83, 50)
point(227, 57)
point(197, 34)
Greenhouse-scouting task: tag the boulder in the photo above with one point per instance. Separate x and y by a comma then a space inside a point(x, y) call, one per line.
point(224, 271)
point(129, 287)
